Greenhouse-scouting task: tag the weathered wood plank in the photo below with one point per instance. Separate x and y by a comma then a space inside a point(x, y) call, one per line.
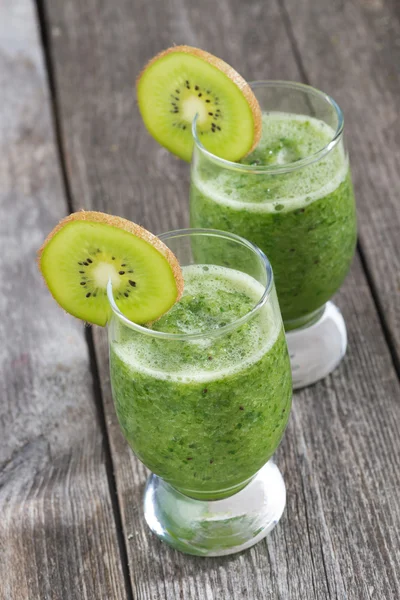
point(57, 533)
point(352, 51)
point(340, 456)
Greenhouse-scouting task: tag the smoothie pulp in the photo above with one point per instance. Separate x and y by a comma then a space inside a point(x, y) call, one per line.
point(205, 406)
point(302, 218)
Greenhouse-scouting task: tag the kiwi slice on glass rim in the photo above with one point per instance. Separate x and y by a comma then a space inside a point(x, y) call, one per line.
point(182, 82)
point(88, 249)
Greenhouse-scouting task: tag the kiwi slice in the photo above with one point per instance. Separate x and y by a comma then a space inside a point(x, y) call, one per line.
point(183, 81)
point(87, 249)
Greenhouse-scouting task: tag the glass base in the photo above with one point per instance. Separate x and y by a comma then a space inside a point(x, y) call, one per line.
point(218, 527)
point(316, 350)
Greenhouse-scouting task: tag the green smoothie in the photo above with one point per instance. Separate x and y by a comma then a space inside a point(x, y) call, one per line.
point(304, 220)
point(205, 412)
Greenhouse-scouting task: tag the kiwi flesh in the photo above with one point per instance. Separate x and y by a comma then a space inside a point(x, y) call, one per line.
point(181, 82)
point(87, 249)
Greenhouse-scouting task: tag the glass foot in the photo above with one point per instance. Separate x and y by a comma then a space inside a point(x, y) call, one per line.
point(315, 351)
point(219, 527)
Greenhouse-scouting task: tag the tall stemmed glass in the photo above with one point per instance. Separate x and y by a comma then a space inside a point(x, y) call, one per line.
point(293, 197)
point(205, 411)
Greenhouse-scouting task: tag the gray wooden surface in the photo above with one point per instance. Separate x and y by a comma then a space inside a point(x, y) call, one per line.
point(58, 536)
point(70, 489)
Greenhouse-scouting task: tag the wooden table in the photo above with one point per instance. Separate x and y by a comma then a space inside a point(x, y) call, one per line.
point(71, 523)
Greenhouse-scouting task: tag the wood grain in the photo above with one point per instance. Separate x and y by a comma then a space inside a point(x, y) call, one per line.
point(57, 532)
point(339, 538)
point(351, 50)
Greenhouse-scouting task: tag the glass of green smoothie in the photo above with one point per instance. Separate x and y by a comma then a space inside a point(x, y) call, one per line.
point(203, 397)
point(292, 196)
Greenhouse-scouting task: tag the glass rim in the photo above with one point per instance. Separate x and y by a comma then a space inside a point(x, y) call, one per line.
point(287, 168)
point(176, 233)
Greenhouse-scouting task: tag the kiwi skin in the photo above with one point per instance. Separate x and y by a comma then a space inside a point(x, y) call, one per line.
point(121, 223)
point(229, 72)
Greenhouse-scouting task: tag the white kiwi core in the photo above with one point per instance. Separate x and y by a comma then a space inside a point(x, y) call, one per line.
point(103, 272)
point(191, 106)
